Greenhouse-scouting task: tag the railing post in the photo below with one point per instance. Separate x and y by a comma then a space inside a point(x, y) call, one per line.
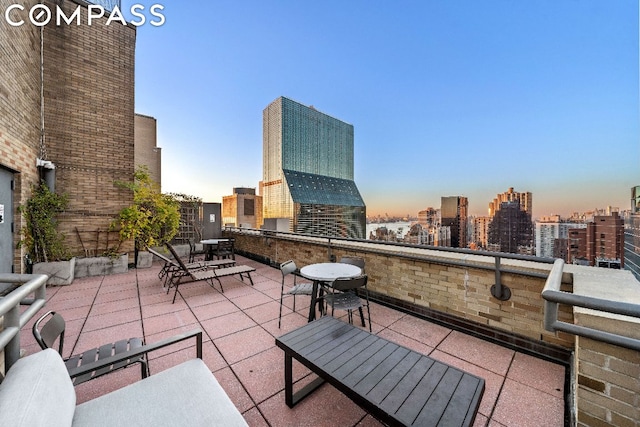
point(498, 290)
point(13, 318)
point(12, 349)
point(330, 254)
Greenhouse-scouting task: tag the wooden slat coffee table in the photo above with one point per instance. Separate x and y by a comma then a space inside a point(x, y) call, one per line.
point(398, 386)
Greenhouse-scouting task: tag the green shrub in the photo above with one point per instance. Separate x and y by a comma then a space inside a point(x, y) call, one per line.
point(152, 219)
point(40, 236)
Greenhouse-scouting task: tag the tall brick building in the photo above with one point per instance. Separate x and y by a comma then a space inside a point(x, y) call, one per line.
point(147, 153)
point(601, 244)
point(242, 209)
point(66, 98)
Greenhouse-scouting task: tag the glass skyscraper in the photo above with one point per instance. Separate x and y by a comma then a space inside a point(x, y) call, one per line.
point(308, 171)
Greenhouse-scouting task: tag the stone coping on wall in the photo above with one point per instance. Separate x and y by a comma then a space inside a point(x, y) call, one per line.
point(479, 260)
point(610, 285)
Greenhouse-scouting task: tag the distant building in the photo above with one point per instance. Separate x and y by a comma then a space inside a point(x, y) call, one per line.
point(525, 200)
point(429, 217)
point(308, 171)
point(415, 234)
point(561, 247)
point(438, 236)
point(600, 244)
point(453, 213)
point(242, 209)
point(551, 234)
point(480, 231)
point(146, 152)
point(511, 230)
point(589, 216)
point(632, 235)
point(428, 236)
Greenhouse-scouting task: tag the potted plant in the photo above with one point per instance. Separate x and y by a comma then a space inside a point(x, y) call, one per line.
point(44, 245)
point(152, 219)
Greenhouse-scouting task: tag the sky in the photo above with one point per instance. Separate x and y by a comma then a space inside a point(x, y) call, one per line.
point(447, 97)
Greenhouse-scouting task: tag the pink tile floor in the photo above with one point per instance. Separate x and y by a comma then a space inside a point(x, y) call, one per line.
point(240, 326)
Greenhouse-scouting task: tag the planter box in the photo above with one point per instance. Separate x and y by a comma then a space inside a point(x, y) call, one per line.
point(182, 251)
point(145, 259)
point(59, 272)
point(101, 266)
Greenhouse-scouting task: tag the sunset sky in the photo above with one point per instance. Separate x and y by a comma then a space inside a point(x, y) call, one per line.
point(455, 97)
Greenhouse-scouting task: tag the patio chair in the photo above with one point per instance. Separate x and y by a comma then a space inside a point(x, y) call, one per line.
point(172, 267)
point(287, 268)
point(194, 251)
point(341, 294)
point(54, 329)
point(353, 260)
point(206, 274)
point(225, 250)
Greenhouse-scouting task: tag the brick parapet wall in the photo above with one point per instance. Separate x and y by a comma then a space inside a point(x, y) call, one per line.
point(608, 385)
point(430, 283)
point(608, 376)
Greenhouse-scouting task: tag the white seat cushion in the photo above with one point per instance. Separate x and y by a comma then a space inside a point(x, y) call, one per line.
point(37, 391)
point(184, 395)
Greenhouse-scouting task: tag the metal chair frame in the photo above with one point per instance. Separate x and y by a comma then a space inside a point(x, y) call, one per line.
point(225, 249)
point(54, 330)
point(342, 294)
point(305, 288)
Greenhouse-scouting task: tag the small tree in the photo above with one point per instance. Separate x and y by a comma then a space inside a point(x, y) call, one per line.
point(152, 219)
point(40, 236)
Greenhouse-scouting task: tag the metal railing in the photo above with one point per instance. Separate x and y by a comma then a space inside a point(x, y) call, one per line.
point(10, 304)
point(498, 289)
point(553, 297)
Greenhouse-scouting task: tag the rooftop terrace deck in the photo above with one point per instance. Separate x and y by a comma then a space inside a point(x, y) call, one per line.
point(240, 327)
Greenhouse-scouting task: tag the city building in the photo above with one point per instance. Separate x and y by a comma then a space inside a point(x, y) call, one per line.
point(429, 217)
point(600, 244)
point(66, 116)
point(308, 171)
point(146, 152)
point(415, 235)
point(525, 200)
point(511, 231)
point(551, 234)
point(242, 209)
point(480, 232)
point(453, 213)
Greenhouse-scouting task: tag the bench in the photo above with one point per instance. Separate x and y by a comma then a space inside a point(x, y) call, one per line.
point(37, 391)
point(396, 385)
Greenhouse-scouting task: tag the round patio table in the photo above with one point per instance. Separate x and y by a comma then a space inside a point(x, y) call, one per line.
point(326, 272)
